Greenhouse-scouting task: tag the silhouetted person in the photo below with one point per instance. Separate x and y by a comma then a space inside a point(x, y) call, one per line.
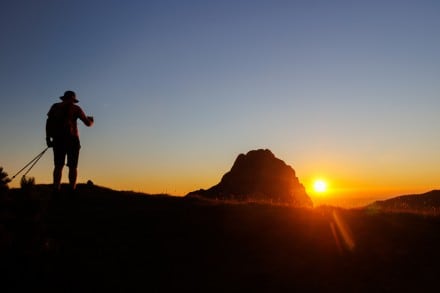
point(62, 134)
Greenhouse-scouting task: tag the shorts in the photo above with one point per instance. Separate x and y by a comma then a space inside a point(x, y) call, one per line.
point(66, 147)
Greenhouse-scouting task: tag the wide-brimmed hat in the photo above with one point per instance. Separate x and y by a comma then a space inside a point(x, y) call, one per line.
point(69, 95)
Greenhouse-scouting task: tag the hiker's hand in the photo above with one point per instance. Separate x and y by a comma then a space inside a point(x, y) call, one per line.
point(90, 121)
point(49, 142)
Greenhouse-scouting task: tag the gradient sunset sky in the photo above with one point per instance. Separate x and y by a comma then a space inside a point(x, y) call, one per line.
point(348, 91)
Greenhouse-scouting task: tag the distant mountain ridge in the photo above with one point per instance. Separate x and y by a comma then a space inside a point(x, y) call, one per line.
point(426, 203)
point(259, 176)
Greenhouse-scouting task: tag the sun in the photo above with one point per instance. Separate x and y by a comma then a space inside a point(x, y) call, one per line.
point(320, 186)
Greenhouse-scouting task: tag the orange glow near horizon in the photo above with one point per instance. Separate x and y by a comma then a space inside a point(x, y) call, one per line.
point(345, 186)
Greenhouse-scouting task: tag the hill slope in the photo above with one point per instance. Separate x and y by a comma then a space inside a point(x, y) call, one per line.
point(106, 240)
point(426, 203)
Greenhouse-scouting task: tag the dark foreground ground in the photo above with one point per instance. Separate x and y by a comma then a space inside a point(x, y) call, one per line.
point(103, 240)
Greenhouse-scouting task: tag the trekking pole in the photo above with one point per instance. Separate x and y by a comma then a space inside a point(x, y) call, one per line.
point(33, 162)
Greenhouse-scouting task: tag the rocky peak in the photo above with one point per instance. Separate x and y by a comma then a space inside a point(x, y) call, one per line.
point(259, 175)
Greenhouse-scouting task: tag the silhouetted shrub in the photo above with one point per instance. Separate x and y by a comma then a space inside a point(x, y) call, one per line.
point(27, 184)
point(4, 180)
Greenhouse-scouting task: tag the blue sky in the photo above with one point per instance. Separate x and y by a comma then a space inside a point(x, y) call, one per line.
point(346, 90)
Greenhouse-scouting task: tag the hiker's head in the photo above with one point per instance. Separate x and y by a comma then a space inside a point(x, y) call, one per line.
point(69, 96)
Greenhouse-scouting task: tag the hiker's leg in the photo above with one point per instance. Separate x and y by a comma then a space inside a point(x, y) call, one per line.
point(73, 174)
point(59, 154)
point(72, 161)
point(57, 173)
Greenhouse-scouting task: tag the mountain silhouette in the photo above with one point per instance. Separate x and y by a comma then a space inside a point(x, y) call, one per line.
point(426, 203)
point(259, 175)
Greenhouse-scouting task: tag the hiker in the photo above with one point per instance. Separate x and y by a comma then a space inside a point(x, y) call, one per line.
point(63, 136)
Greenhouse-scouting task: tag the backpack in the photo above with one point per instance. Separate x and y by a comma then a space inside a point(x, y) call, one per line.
point(58, 123)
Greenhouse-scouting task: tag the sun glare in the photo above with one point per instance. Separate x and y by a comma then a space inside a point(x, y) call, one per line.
point(320, 186)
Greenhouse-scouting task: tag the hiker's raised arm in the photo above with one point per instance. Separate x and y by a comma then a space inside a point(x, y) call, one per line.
point(87, 120)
